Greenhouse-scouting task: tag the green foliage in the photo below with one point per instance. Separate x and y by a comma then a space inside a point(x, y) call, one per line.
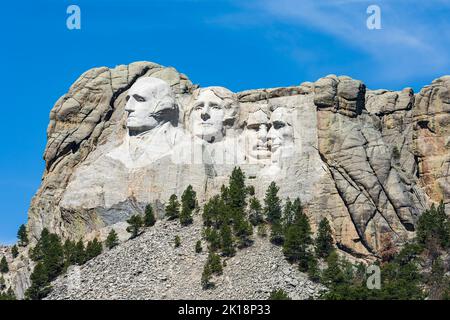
point(212, 236)
point(112, 240)
point(135, 225)
point(243, 230)
point(14, 251)
point(4, 265)
point(49, 251)
point(177, 241)
point(2, 283)
point(206, 277)
point(279, 294)
point(433, 227)
point(214, 263)
point(198, 247)
point(40, 283)
point(215, 212)
point(80, 253)
point(324, 239)
point(8, 295)
point(276, 235)
point(313, 269)
point(22, 235)
point(226, 243)
point(93, 249)
point(237, 191)
point(149, 216)
point(173, 208)
point(256, 214)
point(188, 204)
point(297, 240)
point(272, 208)
point(69, 250)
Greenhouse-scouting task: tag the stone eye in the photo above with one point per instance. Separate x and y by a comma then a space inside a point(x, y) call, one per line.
point(127, 98)
point(139, 98)
point(278, 125)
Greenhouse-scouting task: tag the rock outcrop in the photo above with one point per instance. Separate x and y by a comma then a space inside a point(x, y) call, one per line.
point(149, 267)
point(369, 160)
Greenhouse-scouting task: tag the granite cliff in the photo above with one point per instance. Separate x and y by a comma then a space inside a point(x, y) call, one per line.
point(368, 160)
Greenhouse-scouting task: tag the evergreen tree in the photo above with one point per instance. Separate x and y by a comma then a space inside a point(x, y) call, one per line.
point(324, 239)
point(436, 280)
point(112, 240)
point(198, 247)
point(272, 209)
point(279, 294)
point(255, 216)
point(288, 213)
point(243, 230)
point(40, 284)
point(188, 204)
point(22, 235)
point(49, 251)
point(276, 235)
point(54, 257)
point(226, 241)
point(213, 238)
point(313, 269)
point(434, 225)
point(173, 208)
point(206, 277)
point(177, 241)
point(93, 249)
point(237, 191)
point(14, 251)
point(149, 217)
point(297, 240)
point(135, 225)
point(214, 263)
point(69, 249)
point(80, 253)
point(2, 283)
point(333, 275)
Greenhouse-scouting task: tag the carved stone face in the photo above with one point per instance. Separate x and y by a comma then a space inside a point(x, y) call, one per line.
point(150, 103)
point(212, 108)
point(281, 133)
point(256, 135)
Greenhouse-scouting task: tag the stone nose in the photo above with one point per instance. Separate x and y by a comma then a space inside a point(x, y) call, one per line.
point(205, 116)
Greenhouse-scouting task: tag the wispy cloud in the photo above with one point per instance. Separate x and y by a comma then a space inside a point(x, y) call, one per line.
point(414, 38)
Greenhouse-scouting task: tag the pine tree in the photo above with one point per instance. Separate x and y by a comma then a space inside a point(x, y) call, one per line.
point(93, 249)
point(226, 241)
point(434, 226)
point(149, 218)
point(188, 204)
point(198, 247)
point(2, 283)
point(313, 269)
point(255, 216)
point(324, 239)
point(206, 277)
point(272, 202)
point(215, 263)
point(135, 225)
point(297, 239)
point(80, 253)
point(333, 274)
point(237, 191)
point(14, 251)
point(69, 249)
point(276, 235)
point(243, 230)
point(173, 208)
point(112, 240)
point(22, 236)
point(213, 238)
point(288, 213)
point(279, 294)
point(177, 241)
point(40, 284)
point(54, 257)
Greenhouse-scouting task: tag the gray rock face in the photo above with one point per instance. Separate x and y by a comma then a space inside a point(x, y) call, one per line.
point(368, 160)
point(149, 267)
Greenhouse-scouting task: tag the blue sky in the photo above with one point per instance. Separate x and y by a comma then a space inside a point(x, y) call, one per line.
point(233, 43)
